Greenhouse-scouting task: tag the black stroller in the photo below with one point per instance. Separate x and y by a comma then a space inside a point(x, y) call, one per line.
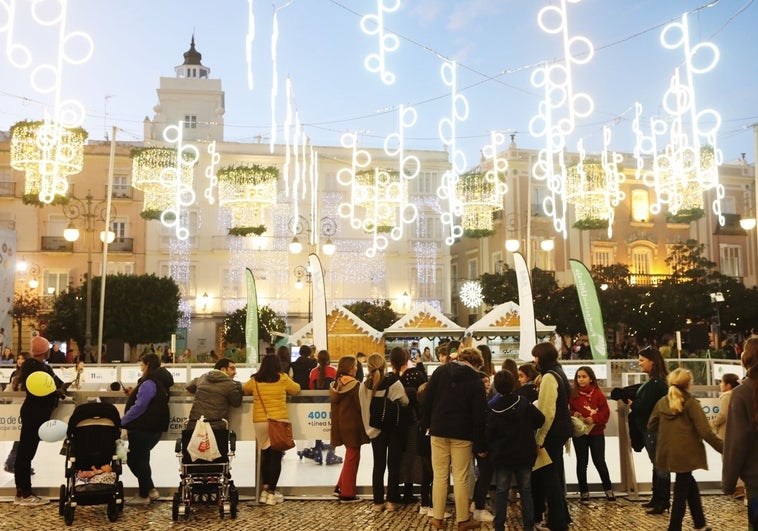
point(92, 466)
point(204, 481)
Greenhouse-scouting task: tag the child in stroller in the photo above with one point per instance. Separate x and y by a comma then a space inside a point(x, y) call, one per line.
point(92, 466)
point(206, 481)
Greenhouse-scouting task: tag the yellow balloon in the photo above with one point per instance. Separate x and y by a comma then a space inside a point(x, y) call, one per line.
point(40, 383)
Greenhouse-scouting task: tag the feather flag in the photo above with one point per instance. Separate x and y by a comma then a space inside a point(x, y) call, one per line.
point(593, 316)
point(251, 322)
point(527, 324)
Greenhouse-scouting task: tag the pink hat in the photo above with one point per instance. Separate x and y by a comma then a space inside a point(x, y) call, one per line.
point(40, 346)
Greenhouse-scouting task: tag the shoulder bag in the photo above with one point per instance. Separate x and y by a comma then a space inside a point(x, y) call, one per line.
point(279, 431)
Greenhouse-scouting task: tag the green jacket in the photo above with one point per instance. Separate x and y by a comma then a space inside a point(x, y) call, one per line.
point(680, 436)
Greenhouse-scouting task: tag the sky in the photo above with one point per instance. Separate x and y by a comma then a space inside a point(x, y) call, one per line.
point(497, 46)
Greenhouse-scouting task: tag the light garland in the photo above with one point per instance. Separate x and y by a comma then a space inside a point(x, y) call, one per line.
point(247, 192)
point(447, 132)
point(174, 179)
point(388, 42)
point(482, 193)
point(688, 164)
point(210, 173)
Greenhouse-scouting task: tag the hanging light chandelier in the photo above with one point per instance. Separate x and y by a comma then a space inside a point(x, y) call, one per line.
point(152, 173)
point(381, 193)
point(247, 192)
point(48, 153)
point(481, 195)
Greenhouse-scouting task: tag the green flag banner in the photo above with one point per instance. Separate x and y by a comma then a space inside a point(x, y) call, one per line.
point(593, 316)
point(251, 322)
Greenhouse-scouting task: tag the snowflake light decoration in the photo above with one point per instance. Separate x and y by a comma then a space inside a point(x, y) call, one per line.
point(471, 294)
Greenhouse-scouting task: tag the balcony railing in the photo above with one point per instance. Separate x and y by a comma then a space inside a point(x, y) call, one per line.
point(57, 244)
point(121, 245)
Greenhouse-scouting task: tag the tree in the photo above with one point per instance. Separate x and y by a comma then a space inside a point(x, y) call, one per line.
point(26, 305)
point(66, 321)
point(268, 322)
point(378, 314)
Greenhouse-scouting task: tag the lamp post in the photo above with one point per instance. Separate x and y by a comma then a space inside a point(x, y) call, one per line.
point(301, 272)
point(88, 213)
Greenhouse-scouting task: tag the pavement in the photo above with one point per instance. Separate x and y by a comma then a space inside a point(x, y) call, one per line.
point(722, 513)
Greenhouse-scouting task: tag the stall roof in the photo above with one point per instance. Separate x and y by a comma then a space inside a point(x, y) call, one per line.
point(336, 311)
point(504, 320)
point(424, 320)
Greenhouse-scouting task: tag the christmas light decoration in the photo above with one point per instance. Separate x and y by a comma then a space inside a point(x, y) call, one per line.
point(210, 173)
point(471, 294)
point(373, 24)
point(247, 192)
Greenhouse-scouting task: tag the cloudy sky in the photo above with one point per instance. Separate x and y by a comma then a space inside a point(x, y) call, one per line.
point(497, 45)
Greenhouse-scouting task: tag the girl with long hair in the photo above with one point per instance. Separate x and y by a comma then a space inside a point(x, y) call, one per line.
point(386, 445)
point(588, 403)
point(320, 378)
point(741, 442)
point(652, 363)
point(347, 425)
point(680, 422)
point(269, 387)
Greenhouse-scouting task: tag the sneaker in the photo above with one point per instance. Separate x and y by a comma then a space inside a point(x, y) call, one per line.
point(278, 496)
point(271, 499)
point(32, 500)
point(424, 510)
point(138, 500)
point(483, 515)
point(154, 494)
point(349, 499)
point(264, 497)
point(430, 514)
point(336, 492)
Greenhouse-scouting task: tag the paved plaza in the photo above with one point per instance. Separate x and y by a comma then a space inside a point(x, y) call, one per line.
point(722, 512)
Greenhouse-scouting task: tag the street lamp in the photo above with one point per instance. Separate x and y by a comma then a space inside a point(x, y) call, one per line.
point(34, 270)
point(301, 272)
point(87, 213)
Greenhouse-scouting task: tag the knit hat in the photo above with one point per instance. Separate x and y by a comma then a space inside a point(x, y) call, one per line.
point(39, 346)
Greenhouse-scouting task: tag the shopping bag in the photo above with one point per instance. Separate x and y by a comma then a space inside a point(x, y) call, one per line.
point(202, 444)
point(280, 435)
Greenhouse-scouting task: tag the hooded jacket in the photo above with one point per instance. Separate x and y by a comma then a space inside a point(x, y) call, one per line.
point(591, 402)
point(215, 392)
point(680, 435)
point(347, 423)
point(455, 405)
point(511, 423)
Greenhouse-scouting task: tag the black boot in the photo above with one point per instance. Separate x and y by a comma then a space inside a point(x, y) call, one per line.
point(660, 508)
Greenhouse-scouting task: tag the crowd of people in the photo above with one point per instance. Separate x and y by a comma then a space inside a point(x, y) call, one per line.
point(451, 426)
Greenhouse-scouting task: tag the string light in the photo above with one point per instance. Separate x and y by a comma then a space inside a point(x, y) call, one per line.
point(373, 24)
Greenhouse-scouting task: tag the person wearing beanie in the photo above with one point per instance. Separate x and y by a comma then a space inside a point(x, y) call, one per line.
point(39, 346)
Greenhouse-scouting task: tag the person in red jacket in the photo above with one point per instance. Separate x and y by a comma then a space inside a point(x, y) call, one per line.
point(589, 403)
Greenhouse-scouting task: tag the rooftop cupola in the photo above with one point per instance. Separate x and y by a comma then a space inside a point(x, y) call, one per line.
point(192, 67)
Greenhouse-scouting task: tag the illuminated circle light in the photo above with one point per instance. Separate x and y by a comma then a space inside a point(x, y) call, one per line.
point(471, 294)
point(512, 245)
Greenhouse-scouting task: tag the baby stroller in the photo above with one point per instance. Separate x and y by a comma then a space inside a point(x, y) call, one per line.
point(204, 481)
point(92, 466)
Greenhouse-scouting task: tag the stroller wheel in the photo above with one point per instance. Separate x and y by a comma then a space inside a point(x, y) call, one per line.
point(62, 500)
point(175, 507)
point(112, 511)
point(234, 497)
point(68, 515)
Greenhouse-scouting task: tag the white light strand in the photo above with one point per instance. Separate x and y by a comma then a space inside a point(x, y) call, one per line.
point(611, 162)
point(360, 159)
point(287, 146)
point(409, 167)
point(249, 38)
point(210, 173)
point(373, 24)
point(688, 164)
point(187, 156)
point(447, 133)
point(178, 269)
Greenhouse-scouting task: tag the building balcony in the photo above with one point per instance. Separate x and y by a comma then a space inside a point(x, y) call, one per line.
point(121, 245)
point(57, 244)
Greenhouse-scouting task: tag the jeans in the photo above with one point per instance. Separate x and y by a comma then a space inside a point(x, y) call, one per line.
point(483, 482)
point(686, 493)
point(271, 468)
point(349, 473)
point(503, 479)
point(140, 444)
point(594, 445)
point(661, 478)
point(548, 485)
point(448, 452)
point(387, 449)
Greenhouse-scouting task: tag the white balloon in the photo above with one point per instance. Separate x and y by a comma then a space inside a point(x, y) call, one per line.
point(53, 431)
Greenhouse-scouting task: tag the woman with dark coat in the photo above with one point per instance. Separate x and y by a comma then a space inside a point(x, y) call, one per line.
point(652, 363)
point(146, 417)
point(347, 426)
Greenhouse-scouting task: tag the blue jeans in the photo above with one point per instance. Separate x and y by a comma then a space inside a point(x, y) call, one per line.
point(140, 444)
point(503, 478)
point(591, 445)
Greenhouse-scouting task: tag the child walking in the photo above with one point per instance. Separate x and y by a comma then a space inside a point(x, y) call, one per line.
point(511, 423)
